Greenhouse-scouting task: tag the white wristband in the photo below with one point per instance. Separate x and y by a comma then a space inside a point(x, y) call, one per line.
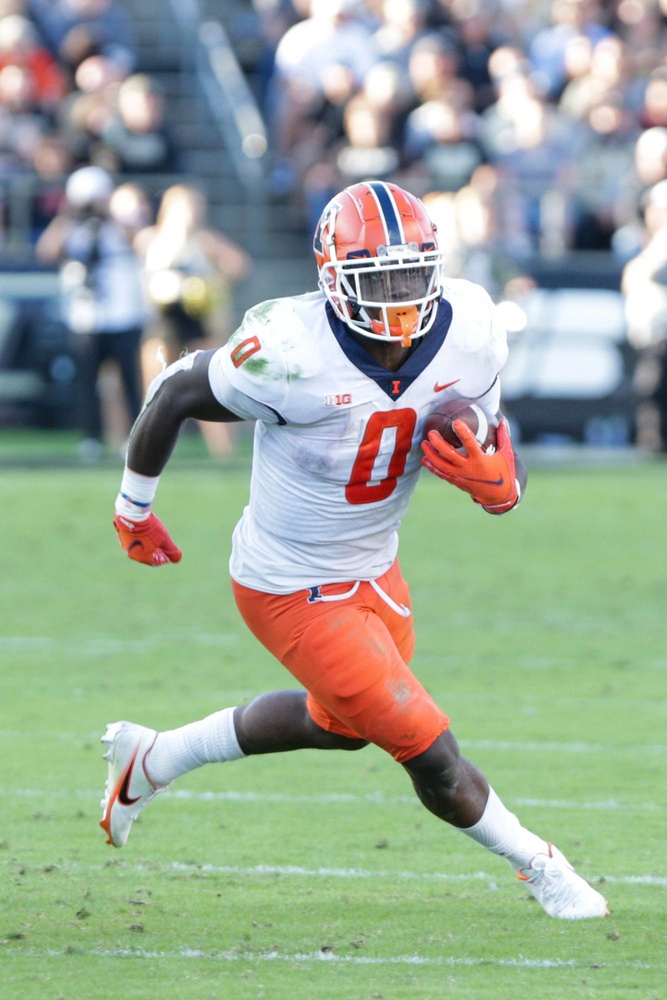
point(136, 495)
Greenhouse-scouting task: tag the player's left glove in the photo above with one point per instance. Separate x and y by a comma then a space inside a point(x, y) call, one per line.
point(146, 541)
point(489, 477)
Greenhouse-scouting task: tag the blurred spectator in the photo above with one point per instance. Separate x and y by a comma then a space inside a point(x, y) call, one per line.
point(433, 67)
point(479, 36)
point(74, 29)
point(371, 142)
point(548, 48)
point(469, 230)
point(137, 136)
point(367, 150)
point(80, 45)
point(117, 121)
point(21, 121)
point(52, 163)
point(402, 23)
point(274, 18)
point(390, 94)
point(595, 73)
point(190, 270)
point(131, 207)
point(536, 152)
point(603, 166)
point(598, 99)
point(445, 140)
point(649, 166)
point(332, 34)
point(641, 24)
point(90, 108)
point(514, 90)
point(440, 143)
point(332, 40)
point(650, 159)
point(102, 298)
point(364, 151)
point(581, 87)
point(20, 46)
point(654, 106)
point(98, 74)
point(644, 285)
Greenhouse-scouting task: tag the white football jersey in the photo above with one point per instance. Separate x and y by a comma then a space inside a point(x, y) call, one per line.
point(336, 449)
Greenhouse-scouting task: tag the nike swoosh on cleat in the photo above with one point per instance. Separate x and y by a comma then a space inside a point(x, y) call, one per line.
point(134, 545)
point(123, 791)
point(439, 388)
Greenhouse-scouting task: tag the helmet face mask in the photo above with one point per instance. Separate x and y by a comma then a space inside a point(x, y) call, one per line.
point(379, 263)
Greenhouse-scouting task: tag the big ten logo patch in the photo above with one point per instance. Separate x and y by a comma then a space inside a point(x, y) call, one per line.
point(338, 399)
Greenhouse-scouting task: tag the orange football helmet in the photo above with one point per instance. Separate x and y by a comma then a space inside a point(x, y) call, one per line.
point(378, 260)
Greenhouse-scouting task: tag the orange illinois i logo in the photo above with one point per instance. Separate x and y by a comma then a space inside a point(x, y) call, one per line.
point(396, 387)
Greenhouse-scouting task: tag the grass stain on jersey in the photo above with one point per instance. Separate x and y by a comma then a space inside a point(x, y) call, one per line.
point(261, 368)
point(264, 309)
point(256, 366)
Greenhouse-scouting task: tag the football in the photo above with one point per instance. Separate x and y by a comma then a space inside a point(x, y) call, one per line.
point(481, 422)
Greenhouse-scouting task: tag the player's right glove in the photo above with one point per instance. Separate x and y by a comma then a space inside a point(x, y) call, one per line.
point(489, 477)
point(146, 541)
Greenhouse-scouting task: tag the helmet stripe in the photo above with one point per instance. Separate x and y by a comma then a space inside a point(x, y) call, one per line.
point(389, 213)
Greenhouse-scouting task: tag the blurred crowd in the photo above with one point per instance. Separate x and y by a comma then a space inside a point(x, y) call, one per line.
point(527, 126)
point(71, 95)
point(136, 292)
point(539, 125)
point(142, 275)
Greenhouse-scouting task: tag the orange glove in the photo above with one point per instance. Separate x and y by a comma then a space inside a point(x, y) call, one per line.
point(146, 541)
point(489, 477)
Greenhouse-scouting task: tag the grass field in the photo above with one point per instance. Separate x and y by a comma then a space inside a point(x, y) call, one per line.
point(317, 876)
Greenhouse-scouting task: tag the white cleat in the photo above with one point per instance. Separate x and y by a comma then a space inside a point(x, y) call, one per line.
point(128, 787)
point(552, 880)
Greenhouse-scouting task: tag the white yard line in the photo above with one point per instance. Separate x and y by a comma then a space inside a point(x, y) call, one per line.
point(330, 798)
point(296, 871)
point(520, 746)
point(332, 957)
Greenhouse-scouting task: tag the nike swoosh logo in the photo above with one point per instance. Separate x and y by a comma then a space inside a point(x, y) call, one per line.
point(487, 482)
point(123, 792)
point(439, 388)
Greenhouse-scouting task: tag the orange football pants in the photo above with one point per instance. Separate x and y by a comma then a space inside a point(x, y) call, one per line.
point(351, 655)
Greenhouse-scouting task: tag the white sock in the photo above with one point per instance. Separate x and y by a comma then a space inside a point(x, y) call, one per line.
point(500, 831)
point(177, 751)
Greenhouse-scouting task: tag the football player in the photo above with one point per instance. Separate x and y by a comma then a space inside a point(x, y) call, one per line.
point(339, 383)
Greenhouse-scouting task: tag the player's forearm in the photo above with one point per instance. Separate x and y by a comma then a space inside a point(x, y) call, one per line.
point(154, 436)
point(180, 392)
point(141, 534)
